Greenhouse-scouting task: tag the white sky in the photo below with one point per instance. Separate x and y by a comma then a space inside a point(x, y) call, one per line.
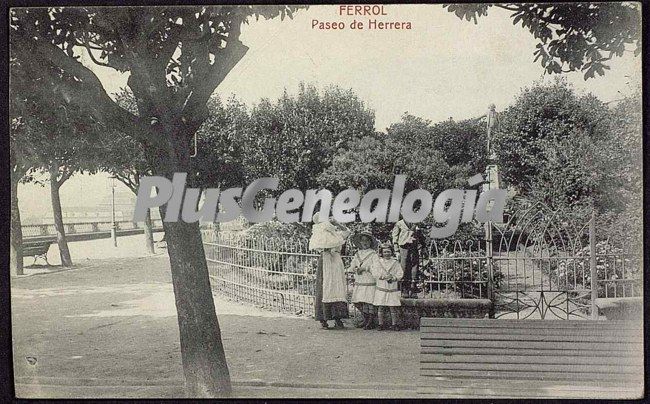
point(443, 67)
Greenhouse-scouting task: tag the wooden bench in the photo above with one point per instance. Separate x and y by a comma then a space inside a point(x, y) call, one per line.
point(484, 358)
point(36, 249)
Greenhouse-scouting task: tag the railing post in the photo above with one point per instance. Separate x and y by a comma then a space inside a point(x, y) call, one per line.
point(489, 254)
point(592, 265)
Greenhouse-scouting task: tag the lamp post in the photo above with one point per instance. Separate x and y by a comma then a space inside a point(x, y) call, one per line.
point(491, 175)
point(113, 224)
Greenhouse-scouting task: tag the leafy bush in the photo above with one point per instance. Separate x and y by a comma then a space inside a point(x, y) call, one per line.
point(267, 244)
point(279, 230)
point(620, 270)
point(468, 268)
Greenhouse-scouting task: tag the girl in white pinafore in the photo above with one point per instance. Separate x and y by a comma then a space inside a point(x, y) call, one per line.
point(363, 294)
point(387, 271)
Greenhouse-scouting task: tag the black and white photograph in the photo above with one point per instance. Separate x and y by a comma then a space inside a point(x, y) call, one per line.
point(339, 201)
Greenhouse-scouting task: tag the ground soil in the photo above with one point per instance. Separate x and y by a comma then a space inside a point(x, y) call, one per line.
point(107, 327)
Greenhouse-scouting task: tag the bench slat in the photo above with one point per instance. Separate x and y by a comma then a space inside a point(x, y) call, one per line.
point(532, 375)
point(36, 243)
point(33, 248)
point(537, 331)
point(531, 388)
point(36, 247)
point(518, 324)
point(522, 351)
point(531, 359)
point(523, 384)
point(29, 253)
point(624, 346)
point(505, 392)
point(604, 338)
point(537, 367)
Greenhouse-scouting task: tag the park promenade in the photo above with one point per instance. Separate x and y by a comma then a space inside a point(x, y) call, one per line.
point(107, 328)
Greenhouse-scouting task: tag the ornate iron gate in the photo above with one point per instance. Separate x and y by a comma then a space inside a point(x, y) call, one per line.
point(535, 266)
point(544, 264)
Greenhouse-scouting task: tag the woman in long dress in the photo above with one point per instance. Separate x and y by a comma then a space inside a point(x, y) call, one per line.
point(330, 300)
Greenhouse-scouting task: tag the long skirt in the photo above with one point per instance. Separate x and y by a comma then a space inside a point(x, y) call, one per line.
point(326, 311)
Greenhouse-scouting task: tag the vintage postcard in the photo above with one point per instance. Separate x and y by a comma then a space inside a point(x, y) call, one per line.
point(327, 201)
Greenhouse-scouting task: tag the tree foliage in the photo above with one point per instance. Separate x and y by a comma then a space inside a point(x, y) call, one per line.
point(124, 157)
point(47, 133)
point(627, 222)
point(572, 36)
point(540, 115)
point(49, 136)
point(296, 138)
point(176, 56)
point(432, 156)
point(221, 145)
point(570, 151)
point(218, 162)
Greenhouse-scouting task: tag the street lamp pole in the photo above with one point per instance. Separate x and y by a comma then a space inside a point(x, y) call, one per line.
point(490, 173)
point(113, 224)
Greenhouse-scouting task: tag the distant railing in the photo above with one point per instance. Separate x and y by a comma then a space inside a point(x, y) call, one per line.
point(40, 230)
point(276, 274)
point(280, 273)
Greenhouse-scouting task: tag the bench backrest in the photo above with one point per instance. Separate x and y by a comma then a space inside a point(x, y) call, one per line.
point(35, 248)
point(529, 353)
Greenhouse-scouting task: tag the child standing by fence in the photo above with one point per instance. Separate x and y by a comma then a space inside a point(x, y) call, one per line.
point(407, 241)
point(387, 271)
point(363, 294)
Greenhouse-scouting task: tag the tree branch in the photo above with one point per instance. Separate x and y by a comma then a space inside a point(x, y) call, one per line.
point(65, 175)
point(92, 57)
point(86, 91)
point(200, 94)
point(126, 180)
point(169, 47)
point(18, 171)
point(508, 7)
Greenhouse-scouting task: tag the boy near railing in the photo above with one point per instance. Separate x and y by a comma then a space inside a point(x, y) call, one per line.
point(407, 239)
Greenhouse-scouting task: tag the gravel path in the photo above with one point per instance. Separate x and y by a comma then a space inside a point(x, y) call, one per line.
point(111, 322)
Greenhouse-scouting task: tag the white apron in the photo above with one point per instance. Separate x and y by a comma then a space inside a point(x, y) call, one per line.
point(328, 239)
point(387, 293)
point(364, 281)
point(334, 282)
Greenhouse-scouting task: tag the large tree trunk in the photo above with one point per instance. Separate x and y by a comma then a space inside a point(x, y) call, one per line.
point(16, 235)
point(64, 252)
point(148, 232)
point(204, 360)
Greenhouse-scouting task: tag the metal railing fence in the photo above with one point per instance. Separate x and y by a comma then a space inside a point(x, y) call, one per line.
point(38, 230)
